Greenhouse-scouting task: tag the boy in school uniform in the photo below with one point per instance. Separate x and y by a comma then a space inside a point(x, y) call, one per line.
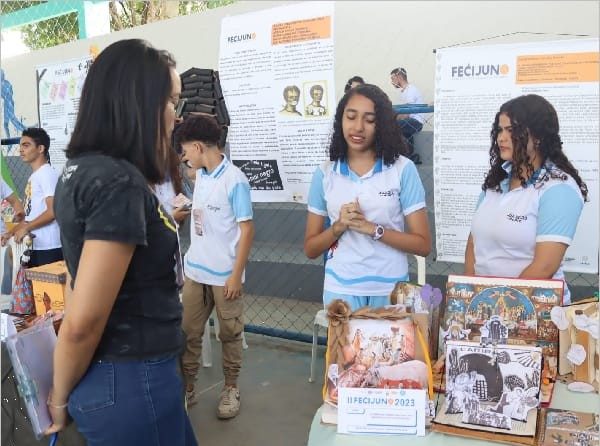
point(221, 237)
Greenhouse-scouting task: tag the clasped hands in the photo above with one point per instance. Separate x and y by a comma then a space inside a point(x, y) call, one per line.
point(351, 217)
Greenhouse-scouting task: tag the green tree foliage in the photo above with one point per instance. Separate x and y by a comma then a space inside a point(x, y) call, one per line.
point(123, 14)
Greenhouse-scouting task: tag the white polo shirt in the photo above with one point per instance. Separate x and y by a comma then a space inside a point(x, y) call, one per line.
point(40, 186)
point(356, 264)
point(507, 225)
point(411, 95)
point(221, 200)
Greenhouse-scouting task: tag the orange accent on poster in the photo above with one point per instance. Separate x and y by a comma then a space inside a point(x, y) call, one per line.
point(558, 68)
point(301, 30)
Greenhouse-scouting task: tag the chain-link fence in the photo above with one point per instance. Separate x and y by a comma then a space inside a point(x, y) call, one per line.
point(283, 287)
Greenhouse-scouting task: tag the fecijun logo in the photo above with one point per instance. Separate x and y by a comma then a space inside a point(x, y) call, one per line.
point(479, 70)
point(241, 37)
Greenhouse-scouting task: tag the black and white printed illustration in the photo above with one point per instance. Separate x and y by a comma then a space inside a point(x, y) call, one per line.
point(261, 174)
point(492, 385)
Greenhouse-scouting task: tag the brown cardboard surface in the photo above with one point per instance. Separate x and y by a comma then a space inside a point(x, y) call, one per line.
point(48, 282)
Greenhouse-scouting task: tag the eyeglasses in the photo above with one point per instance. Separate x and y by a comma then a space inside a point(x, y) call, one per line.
point(179, 106)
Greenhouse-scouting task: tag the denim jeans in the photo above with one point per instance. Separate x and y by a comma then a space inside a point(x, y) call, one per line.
point(128, 403)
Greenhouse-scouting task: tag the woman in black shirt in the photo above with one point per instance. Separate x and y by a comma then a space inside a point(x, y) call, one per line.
point(115, 363)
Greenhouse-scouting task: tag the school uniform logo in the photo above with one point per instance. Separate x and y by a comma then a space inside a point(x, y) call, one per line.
point(516, 218)
point(387, 193)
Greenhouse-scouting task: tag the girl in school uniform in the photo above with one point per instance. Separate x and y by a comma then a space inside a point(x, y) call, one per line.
point(374, 199)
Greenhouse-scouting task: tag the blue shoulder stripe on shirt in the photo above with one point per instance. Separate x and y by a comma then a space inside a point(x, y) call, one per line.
point(412, 191)
point(240, 201)
point(559, 211)
point(316, 194)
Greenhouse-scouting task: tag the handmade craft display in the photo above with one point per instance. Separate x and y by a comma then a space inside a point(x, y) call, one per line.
point(421, 300)
point(493, 388)
point(579, 326)
point(570, 428)
point(501, 311)
point(378, 348)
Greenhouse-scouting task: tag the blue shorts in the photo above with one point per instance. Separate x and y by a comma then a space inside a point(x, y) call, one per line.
point(356, 302)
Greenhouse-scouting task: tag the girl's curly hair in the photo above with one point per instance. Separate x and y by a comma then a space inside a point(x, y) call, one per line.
point(389, 142)
point(530, 115)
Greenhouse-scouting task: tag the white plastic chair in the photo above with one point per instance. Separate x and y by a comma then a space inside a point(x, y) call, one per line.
point(322, 321)
point(207, 345)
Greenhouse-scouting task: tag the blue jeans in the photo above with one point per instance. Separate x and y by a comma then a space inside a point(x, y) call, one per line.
point(128, 403)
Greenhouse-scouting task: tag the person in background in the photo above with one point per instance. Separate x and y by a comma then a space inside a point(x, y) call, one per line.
point(532, 193)
point(39, 198)
point(354, 81)
point(408, 94)
point(221, 237)
point(373, 195)
point(116, 361)
point(18, 214)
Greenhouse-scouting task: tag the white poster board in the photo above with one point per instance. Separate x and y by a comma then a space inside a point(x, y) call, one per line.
point(471, 85)
point(59, 89)
point(263, 56)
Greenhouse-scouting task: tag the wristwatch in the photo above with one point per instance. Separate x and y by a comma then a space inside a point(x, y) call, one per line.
point(378, 232)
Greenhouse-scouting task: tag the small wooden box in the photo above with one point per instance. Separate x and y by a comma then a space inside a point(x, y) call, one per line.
point(48, 283)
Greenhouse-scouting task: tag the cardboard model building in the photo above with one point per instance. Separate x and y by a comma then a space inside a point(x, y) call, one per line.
point(500, 311)
point(493, 388)
point(378, 348)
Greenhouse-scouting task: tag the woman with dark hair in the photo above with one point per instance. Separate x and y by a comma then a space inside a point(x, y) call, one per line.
point(532, 193)
point(374, 198)
point(354, 81)
point(116, 358)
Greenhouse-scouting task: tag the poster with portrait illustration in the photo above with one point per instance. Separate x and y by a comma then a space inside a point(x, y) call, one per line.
point(59, 88)
point(276, 71)
point(471, 83)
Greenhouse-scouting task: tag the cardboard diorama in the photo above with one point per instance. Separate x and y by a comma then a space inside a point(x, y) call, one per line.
point(570, 428)
point(422, 300)
point(502, 311)
point(579, 326)
point(376, 348)
point(492, 388)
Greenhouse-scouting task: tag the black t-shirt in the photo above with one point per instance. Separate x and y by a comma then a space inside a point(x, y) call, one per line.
point(103, 198)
